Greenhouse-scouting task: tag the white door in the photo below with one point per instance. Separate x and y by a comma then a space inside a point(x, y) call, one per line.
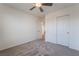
point(63, 30)
point(39, 29)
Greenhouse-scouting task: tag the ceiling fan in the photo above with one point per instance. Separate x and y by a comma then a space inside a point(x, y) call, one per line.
point(39, 5)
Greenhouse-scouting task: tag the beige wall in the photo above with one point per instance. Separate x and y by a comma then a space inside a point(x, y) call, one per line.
point(16, 27)
point(51, 33)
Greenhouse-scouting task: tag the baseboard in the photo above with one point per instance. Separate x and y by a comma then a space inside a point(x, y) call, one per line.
point(17, 45)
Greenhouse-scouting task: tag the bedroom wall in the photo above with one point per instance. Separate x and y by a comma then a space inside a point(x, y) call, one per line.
point(16, 27)
point(73, 13)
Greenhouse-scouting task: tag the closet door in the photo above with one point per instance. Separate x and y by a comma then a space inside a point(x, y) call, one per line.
point(63, 30)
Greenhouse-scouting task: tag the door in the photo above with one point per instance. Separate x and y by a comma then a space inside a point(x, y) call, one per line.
point(63, 30)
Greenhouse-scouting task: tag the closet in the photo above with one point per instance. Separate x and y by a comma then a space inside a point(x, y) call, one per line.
point(62, 30)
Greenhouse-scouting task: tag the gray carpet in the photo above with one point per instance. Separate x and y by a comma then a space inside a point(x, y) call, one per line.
point(39, 48)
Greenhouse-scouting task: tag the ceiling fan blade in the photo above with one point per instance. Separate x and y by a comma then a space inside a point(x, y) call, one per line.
point(32, 8)
point(41, 9)
point(47, 4)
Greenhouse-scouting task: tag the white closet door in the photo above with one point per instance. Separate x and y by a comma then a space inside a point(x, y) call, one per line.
point(63, 30)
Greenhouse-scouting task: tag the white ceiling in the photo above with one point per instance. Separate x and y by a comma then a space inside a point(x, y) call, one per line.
point(26, 6)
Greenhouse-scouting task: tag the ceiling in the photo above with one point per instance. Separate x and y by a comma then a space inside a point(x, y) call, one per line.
point(26, 6)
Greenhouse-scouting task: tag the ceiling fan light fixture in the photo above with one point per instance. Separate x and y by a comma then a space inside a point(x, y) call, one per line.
point(38, 4)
